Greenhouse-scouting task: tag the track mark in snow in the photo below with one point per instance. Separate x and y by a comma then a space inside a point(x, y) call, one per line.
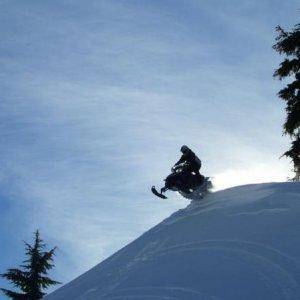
point(152, 292)
point(260, 212)
point(87, 294)
point(275, 269)
point(141, 297)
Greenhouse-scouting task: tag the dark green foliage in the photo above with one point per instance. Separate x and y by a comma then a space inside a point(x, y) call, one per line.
point(288, 43)
point(293, 153)
point(32, 279)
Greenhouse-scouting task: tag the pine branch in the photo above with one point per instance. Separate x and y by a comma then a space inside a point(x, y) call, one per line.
point(287, 68)
point(14, 295)
point(290, 92)
point(288, 42)
point(46, 281)
point(46, 260)
point(292, 123)
point(17, 277)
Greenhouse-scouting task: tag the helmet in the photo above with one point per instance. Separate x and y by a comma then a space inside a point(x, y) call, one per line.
point(184, 149)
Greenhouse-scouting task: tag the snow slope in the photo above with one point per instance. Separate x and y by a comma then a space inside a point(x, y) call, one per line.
point(240, 243)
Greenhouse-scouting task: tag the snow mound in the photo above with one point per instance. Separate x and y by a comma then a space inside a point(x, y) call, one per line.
point(240, 243)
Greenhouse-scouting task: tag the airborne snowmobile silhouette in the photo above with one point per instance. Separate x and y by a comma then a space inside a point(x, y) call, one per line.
point(185, 178)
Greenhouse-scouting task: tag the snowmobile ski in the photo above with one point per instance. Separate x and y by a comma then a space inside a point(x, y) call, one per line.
point(156, 193)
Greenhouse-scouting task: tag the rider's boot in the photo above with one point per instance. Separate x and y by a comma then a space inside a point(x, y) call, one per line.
point(200, 178)
point(162, 190)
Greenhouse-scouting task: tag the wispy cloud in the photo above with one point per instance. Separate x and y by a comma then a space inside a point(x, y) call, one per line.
point(98, 97)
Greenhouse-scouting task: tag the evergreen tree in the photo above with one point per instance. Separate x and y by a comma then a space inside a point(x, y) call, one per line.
point(32, 278)
point(288, 43)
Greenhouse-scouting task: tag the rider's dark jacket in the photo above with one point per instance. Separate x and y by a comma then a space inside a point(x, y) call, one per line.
point(191, 158)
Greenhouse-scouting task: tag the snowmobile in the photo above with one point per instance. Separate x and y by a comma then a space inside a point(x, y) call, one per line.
point(188, 184)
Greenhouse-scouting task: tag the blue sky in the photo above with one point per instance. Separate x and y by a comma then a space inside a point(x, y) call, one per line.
point(98, 96)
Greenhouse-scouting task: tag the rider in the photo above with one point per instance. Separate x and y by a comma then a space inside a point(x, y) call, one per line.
point(194, 163)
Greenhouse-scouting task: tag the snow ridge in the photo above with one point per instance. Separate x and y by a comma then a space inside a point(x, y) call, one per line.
point(240, 243)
